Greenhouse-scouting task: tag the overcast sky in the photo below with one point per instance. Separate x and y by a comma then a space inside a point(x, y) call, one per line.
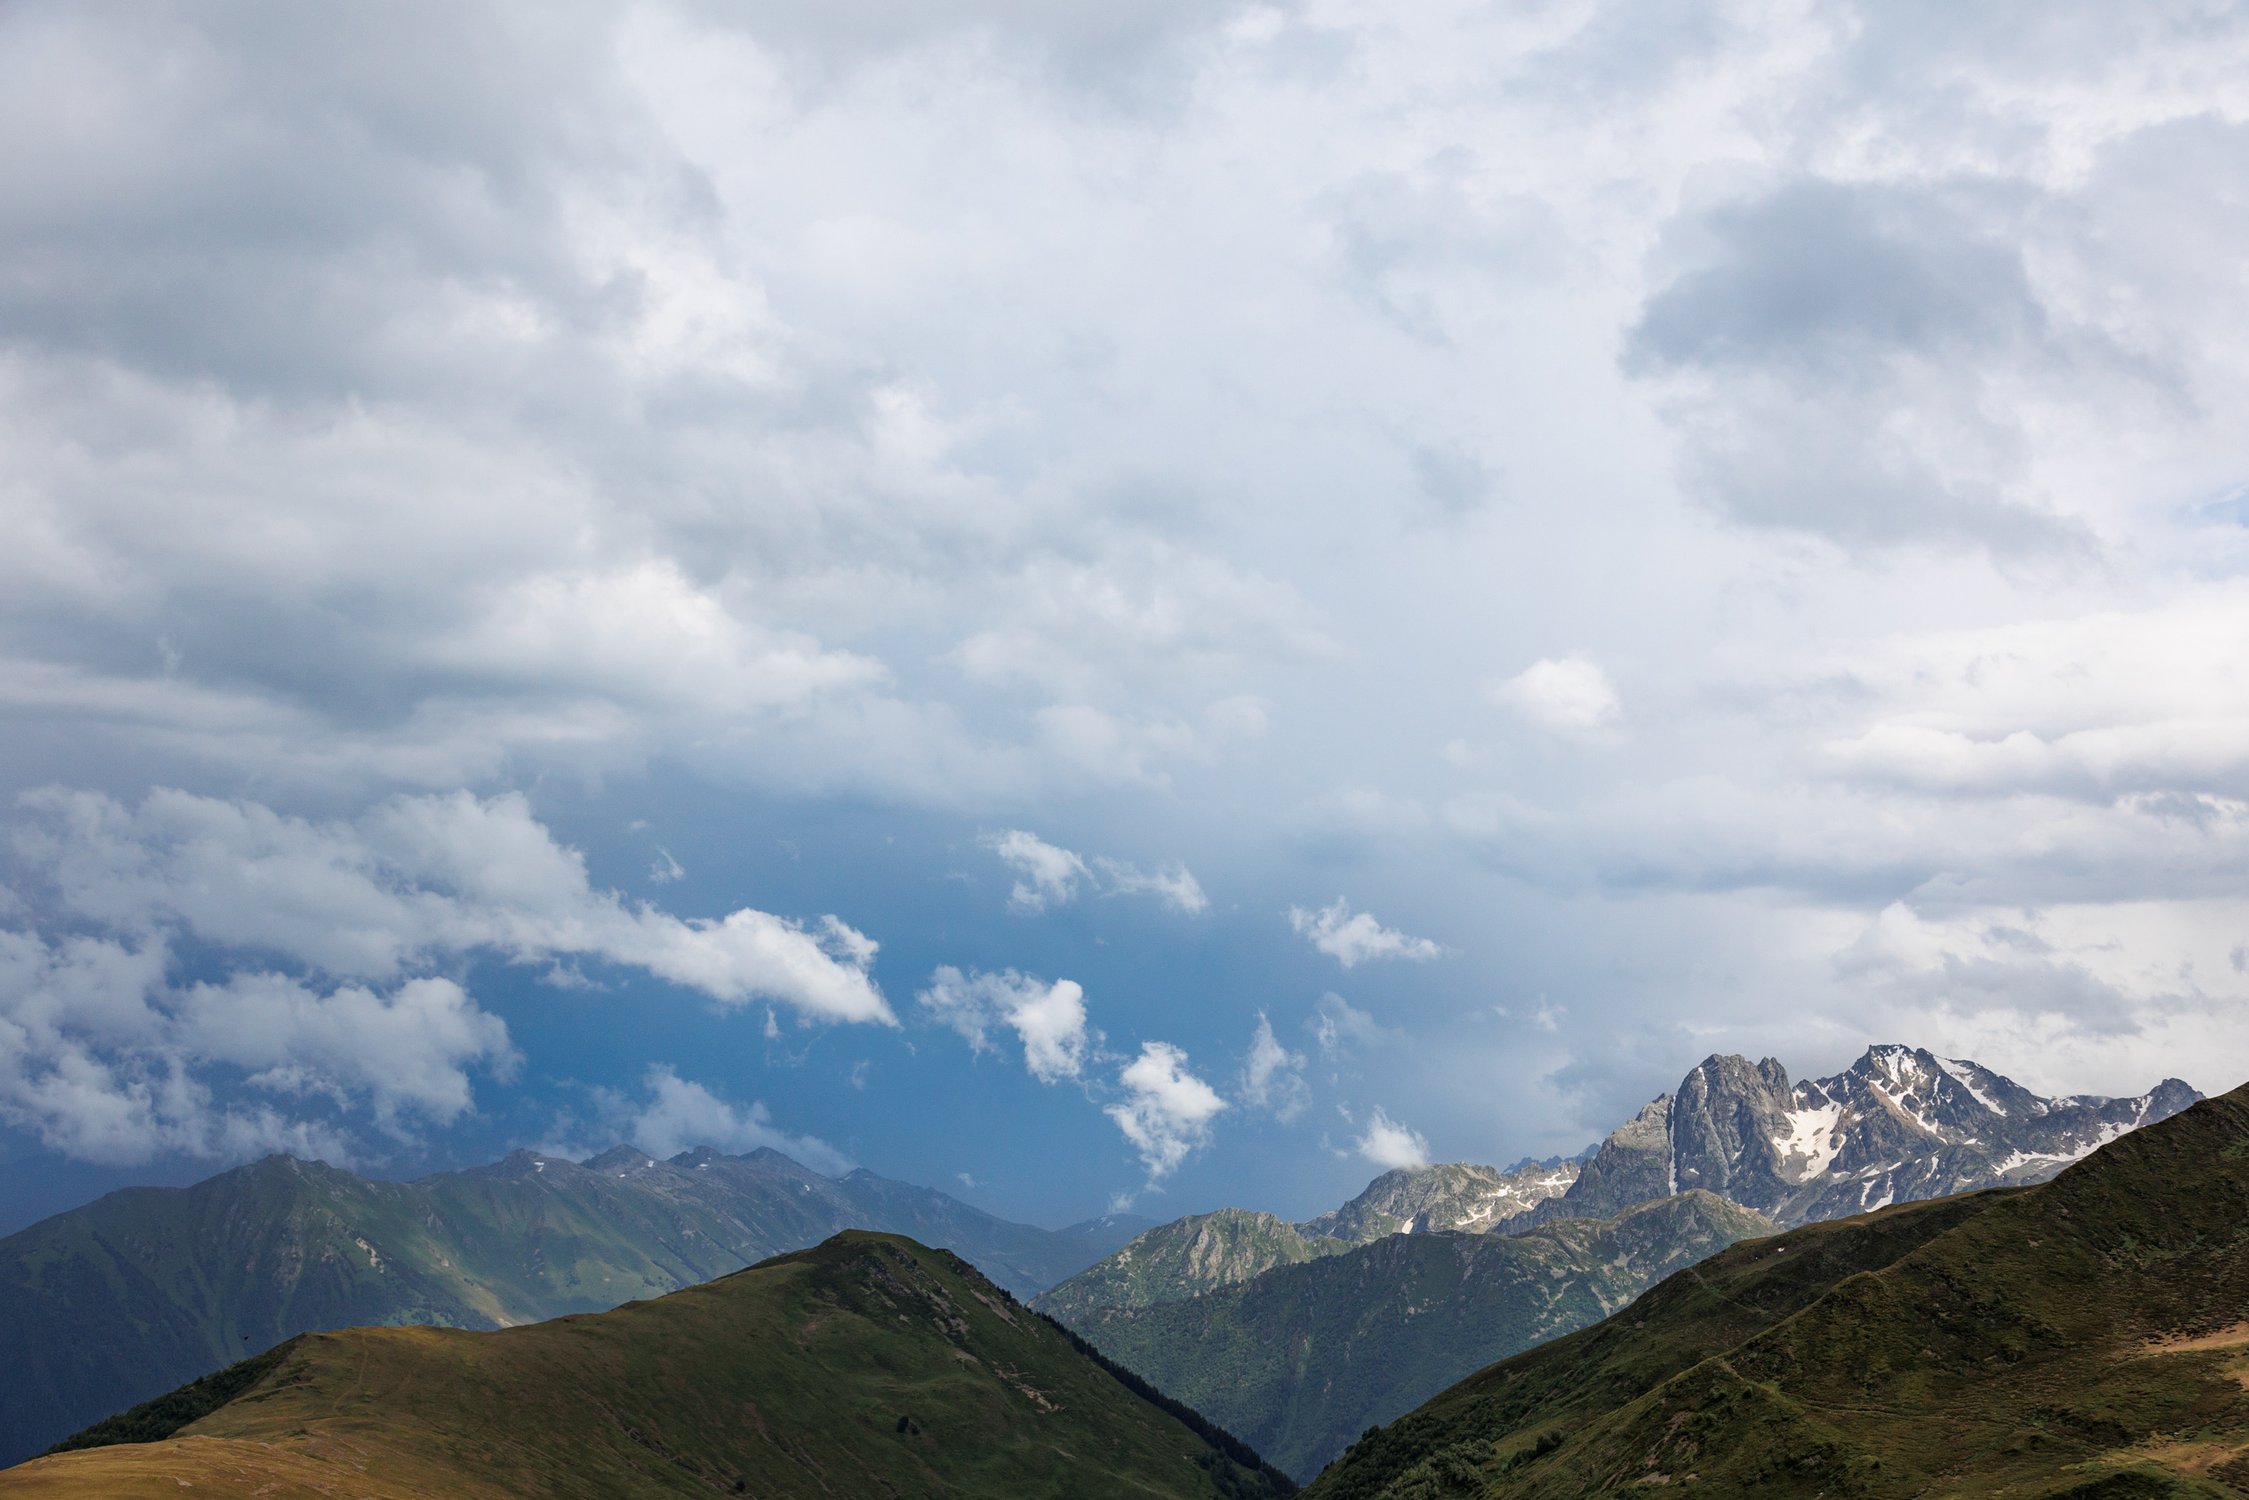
point(1165, 604)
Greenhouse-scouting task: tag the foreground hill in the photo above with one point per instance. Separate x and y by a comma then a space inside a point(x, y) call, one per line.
point(867, 1366)
point(2088, 1337)
point(1299, 1360)
point(132, 1295)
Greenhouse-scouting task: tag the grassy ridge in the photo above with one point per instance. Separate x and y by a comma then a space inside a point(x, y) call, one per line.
point(130, 1296)
point(867, 1366)
point(2086, 1337)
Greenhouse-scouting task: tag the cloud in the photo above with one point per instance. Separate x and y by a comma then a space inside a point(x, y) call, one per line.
point(1390, 1145)
point(1048, 875)
point(1167, 1110)
point(1569, 696)
point(1049, 1019)
point(1272, 1076)
point(679, 1115)
point(1341, 1027)
point(469, 398)
point(1353, 938)
point(104, 1057)
point(1174, 885)
point(411, 881)
point(1866, 360)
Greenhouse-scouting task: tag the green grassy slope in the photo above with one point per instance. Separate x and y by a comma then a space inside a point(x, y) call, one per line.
point(148, 1288)
point(2088, 1337)
point(1301, 1359)
point(867, 1366)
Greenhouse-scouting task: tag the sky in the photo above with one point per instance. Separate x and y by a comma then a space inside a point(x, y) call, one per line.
point(1143, 606)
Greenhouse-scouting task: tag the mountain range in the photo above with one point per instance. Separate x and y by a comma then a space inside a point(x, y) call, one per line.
point(2086, 1338)
point(1296, 1335)
point(1899, 1124)
point(1299, 1360)
point(146, 1288)
point(868, 1366)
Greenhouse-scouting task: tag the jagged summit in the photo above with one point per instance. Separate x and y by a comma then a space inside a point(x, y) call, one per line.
point(2082, 1338)
point(1899, 1124)
point(1446, 1195)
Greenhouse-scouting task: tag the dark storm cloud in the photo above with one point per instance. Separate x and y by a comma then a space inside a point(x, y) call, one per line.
point(280, 201)
point(1823, 329)
point(1827, 281)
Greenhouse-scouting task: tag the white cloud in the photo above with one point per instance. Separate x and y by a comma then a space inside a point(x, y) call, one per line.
point(1173, 885)
point(2090, 706)
point(411, 881)
point(1568, 695)
point(1049, 1019)
point(1046, 875)
point(1033, 476)
point(1390, 1145)
point(1353, 938)
point(105, 1059)
point(1049, 875)
point(679, 1115)
point(1167, 1110)
point(1273, 1076)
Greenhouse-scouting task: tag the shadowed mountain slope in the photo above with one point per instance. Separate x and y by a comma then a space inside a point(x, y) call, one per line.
point(1185, 1258)
point(129, 1296)
point(1203, 1252)
point(867, 1366)
point(1301, 1359)
point(2088, 1337)
point(1898, 1124)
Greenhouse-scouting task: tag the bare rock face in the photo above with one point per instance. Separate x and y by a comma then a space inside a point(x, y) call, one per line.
point(1898, 1125)
point(1632, 1166)
point(1451, 1195)
point(1730, 1133)
point(1902, 1124)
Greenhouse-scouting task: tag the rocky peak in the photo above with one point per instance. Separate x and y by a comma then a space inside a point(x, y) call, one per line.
point(1727, 1125)
point(1898, 1124)
point(619, 1160)
point(1632, 1166)
point(519, 1163)
point(1448, 1195)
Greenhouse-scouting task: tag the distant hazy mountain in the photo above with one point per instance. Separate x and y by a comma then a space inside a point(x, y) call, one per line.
point(2083, 1338)
point(1899, 1124)
point(1455, 1195)
point(1184, 1259)
point(132, 1295)
point(1203, 1252)
point(869, 1366)
point(1300, 1360)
